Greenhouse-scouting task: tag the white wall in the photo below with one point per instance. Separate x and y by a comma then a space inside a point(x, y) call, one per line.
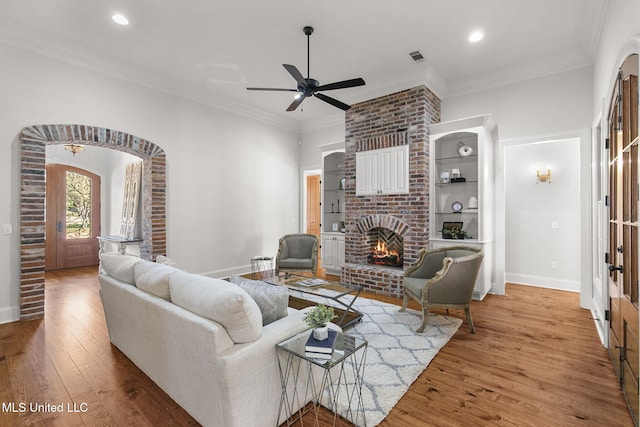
point(552, 104)
point(315, 141)
point(232, 181)
point(552, 107)
point(620, 37)
point(532, 209)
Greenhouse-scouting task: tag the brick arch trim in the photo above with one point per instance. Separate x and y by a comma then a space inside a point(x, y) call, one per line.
point(383, 221)
point(33, 140)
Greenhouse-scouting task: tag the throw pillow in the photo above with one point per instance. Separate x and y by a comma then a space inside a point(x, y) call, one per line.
point(273, 300)
point(220, 301)
point(119, 266)
point(154, 278)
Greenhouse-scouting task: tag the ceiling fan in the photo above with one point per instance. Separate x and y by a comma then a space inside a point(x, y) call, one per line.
point(308, 87)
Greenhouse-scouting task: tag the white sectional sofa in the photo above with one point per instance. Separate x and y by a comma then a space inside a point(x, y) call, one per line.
point(200, 339)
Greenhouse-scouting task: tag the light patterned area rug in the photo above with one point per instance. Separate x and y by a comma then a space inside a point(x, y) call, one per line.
point(396, 354)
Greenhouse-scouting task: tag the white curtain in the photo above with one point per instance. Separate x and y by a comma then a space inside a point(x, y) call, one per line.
point(130, 225)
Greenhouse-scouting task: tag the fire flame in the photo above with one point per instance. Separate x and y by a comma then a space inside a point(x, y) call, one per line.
point(381, 249)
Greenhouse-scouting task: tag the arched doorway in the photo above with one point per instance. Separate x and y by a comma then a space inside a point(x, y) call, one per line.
point(33, 140)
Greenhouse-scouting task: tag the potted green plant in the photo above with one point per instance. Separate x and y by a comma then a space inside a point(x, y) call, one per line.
point(317, 319)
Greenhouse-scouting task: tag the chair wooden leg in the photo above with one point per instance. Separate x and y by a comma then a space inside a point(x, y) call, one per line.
point(425, 319)
point(467, 311)
point(405, 302)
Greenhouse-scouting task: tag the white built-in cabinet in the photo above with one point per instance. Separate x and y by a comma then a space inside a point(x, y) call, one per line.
point(462, 189)
point(382, 171)
point(333, 252)
point(332, 236)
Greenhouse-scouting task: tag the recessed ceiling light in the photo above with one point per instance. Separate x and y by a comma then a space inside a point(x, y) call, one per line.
point(120, 19)
point(476, 36)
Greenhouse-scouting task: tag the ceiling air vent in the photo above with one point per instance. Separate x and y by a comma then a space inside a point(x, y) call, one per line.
point(416, 56)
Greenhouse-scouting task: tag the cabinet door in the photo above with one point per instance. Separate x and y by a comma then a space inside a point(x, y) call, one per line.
point(386, 177)
point(339, 251)
point(394, 170)
point(384, 171)
point(367, 173)
point(328, 252)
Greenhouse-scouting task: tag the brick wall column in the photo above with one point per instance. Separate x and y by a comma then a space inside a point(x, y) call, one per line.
point(391, 120)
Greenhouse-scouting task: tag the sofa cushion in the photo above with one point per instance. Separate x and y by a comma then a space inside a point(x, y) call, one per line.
point(414, 284)
point(296, 263)
point(154, 278)
point(273, 300)
point(220, 301)
point(119, 266)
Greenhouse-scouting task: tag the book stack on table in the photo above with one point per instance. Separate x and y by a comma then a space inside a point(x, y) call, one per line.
point(320, 349)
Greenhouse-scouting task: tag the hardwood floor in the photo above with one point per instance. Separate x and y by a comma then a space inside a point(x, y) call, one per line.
point(535, 360)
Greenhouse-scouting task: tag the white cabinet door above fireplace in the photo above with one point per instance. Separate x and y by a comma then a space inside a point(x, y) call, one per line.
point(383, 171)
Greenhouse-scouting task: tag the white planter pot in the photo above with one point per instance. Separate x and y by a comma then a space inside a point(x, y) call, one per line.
point(321, 334)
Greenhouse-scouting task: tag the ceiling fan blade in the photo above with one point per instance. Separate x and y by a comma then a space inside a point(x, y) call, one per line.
point(343, 84)
point(332, 101)
point(295, 73)
point(295, 103)
point(272, 89)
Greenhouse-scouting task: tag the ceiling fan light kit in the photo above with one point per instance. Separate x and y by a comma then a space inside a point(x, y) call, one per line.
point(308, 87)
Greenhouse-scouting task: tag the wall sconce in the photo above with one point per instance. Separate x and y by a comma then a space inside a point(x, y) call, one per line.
point(74, 148)
point(543, 177)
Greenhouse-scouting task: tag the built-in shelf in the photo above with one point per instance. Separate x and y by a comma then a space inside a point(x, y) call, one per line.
point(450, 143)
point(333, 204)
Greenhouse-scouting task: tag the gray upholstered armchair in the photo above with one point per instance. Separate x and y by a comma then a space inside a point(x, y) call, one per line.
point(297, 252)
point(443, 278)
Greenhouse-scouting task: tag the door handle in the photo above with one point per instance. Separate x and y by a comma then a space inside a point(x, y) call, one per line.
point(59, 227)
point(613, 268)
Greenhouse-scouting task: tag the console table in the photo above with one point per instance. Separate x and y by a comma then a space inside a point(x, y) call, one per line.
point(121, 241)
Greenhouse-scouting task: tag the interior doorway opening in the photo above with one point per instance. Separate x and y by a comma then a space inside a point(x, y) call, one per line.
point(33, 140)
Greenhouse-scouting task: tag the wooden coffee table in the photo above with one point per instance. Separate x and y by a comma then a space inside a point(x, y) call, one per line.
point(343, 295)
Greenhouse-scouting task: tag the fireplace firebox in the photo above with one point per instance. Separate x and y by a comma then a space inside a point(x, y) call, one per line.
point(385, 247)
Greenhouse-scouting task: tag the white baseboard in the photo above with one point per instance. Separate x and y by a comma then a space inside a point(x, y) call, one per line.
point(9, 314)
point(226, 272)
point(600, 324)
point(543, 282)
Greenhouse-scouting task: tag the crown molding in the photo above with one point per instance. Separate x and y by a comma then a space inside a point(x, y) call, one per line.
point(429, 77)
point(519, 72)
point(35, 41)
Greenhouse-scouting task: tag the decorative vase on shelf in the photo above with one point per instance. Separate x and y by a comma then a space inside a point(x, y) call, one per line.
point(321, 333)
point(464, 150)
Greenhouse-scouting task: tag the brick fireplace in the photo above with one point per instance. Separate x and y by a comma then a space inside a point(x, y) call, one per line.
point(398, 119)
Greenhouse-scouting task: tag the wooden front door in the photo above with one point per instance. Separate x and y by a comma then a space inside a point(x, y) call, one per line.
point(623, 232)
point(313, 205)
point(72, 217)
